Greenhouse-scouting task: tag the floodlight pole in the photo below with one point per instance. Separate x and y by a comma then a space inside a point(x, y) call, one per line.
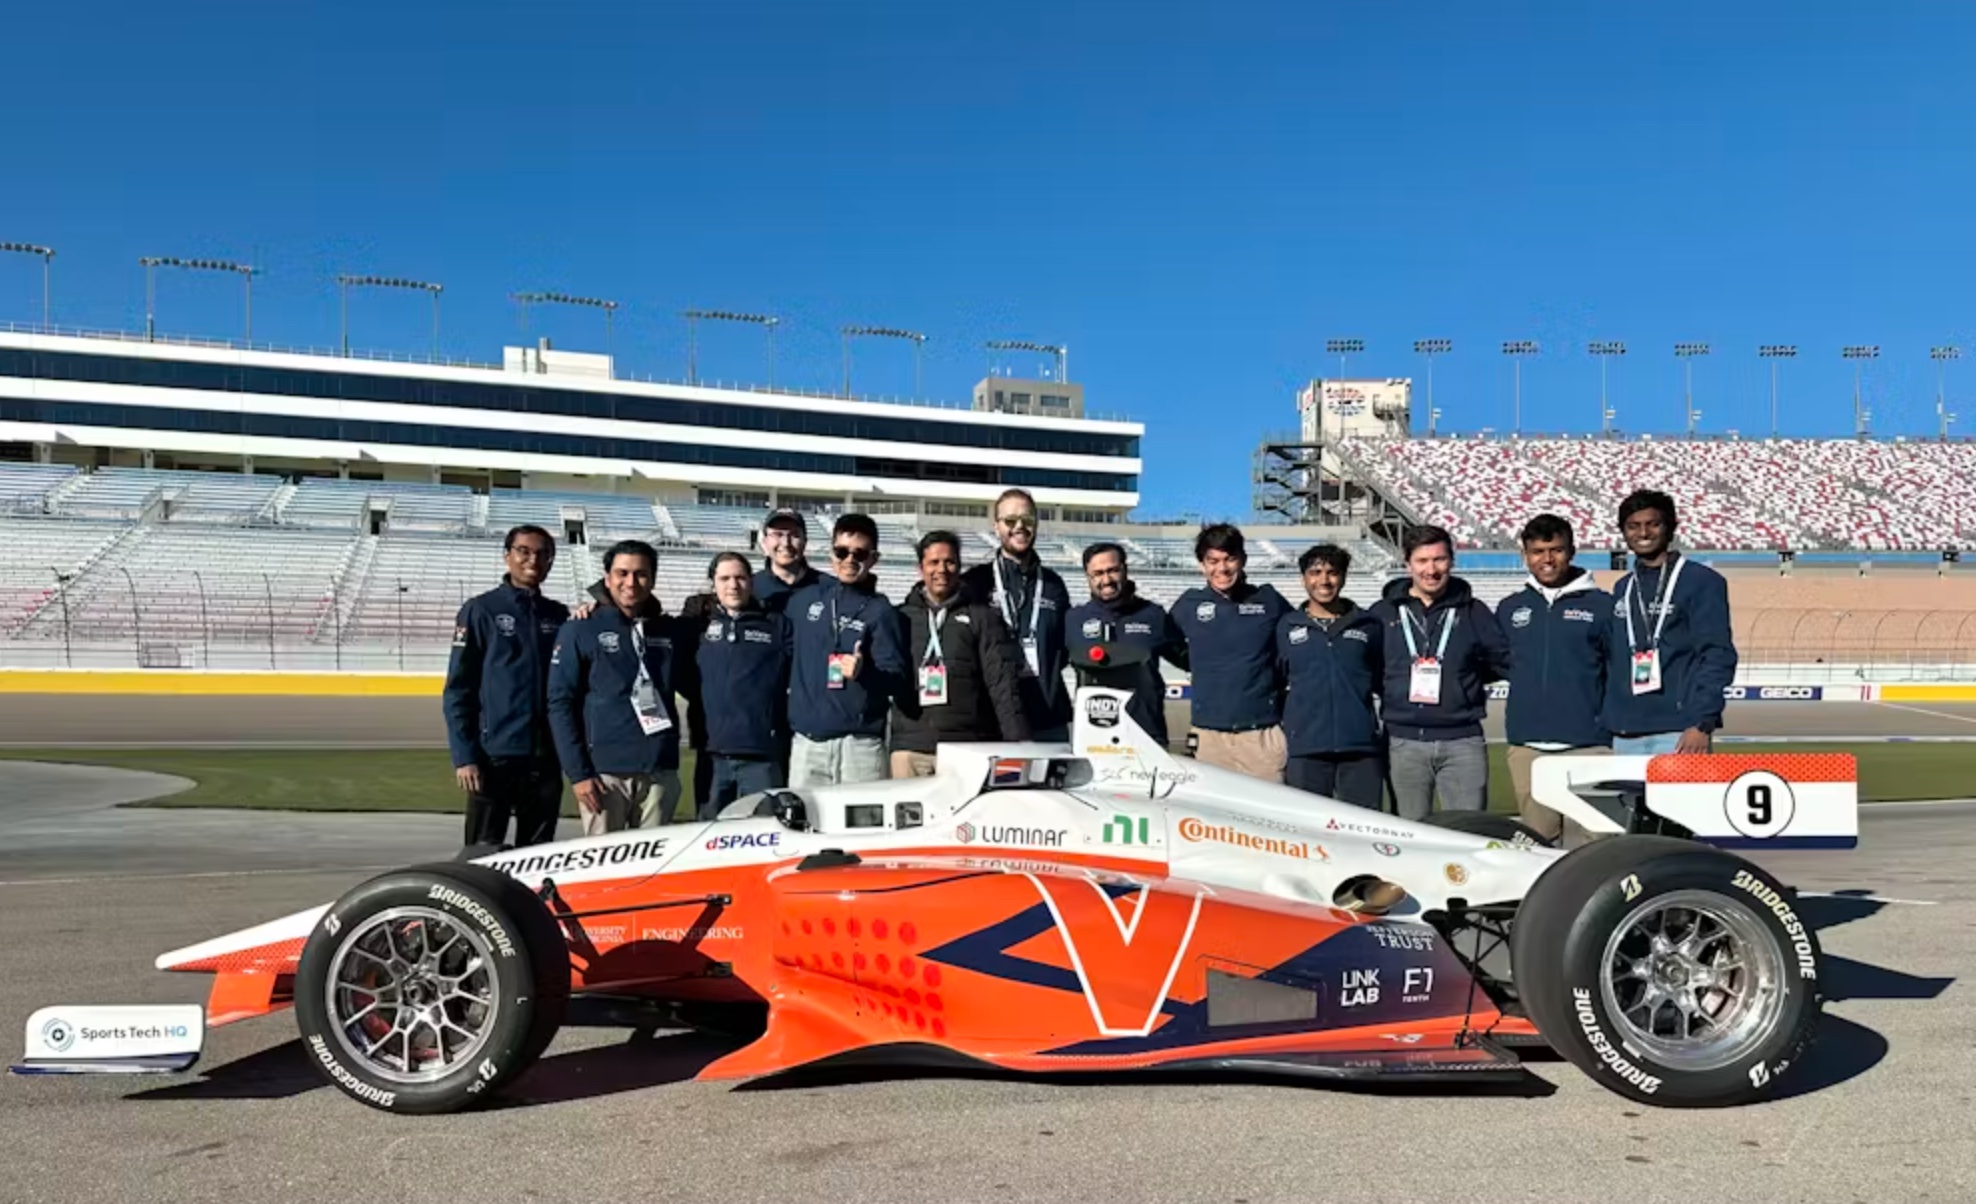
point(1516, 349)
point(153, 262)
point(47, 255)
point(886, 332)
point(1859, 354)
point(1062, 354)
point(345, 282)
point(1605, 351)
point(1942, 356)
point(1774, 352)
point(1431, 348)
point(767, 322)
point(1686, 353)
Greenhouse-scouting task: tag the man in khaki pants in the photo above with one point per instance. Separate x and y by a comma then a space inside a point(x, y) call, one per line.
point(1230, 625)
point(1557, 626)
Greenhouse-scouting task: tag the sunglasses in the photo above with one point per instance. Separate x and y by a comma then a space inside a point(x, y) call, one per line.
point(859, 555)
point(1021, 521)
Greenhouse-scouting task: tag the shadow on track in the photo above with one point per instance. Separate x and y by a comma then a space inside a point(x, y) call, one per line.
point(854, 1071)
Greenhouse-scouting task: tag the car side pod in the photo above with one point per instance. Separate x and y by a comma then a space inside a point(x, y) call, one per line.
point(94, 1039)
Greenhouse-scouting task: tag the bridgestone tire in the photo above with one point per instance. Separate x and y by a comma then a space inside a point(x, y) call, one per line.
point(530, 973)
point(1558, 947)
point(1492, 827)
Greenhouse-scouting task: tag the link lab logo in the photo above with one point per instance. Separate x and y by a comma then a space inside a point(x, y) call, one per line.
point(58, 1034)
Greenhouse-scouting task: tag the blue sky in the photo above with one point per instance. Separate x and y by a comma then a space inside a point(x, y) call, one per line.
point(1192, 197)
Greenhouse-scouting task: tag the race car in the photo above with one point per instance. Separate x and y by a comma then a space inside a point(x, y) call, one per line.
point(1095, 906)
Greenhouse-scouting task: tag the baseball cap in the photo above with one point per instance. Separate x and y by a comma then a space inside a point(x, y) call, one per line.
point(786, 514)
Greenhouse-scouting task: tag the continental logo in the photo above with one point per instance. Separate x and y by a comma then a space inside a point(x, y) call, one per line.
point(1195, 831)
point(480, 915)
point(350, 1082)
point(1800, 940)
point(1603, 1046)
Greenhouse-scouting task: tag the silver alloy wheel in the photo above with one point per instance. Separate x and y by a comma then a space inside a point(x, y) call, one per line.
point(411, 994)
point(1694, 979)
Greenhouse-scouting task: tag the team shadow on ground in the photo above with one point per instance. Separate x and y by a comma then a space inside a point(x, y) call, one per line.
point(1845, 1050)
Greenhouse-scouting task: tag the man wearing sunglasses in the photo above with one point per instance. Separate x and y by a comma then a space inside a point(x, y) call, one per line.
point(848, 664)
point(1033, 602)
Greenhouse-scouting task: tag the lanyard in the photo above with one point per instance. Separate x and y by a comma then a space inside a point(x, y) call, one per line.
point(1668, 576)
point(638, 650)
point(935, 654)
point(837, 624)
point(1007, 605)
point(1406, 626)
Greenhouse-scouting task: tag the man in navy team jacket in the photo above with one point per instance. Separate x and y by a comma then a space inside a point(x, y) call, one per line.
point(1230, 625)
point(1116, 614)
point(848, 663)
point(1558, 626)
point(496, 699)
point(1443, 648)
point(611, 704)
point(1668, 668)
point(1332, 656)
point(739, 684)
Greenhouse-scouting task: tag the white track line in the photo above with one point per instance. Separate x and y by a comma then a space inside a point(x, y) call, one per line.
point(94, 878)
point(1925, 711)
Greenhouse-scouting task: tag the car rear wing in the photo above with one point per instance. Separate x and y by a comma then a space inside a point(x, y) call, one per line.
point(1732, 800)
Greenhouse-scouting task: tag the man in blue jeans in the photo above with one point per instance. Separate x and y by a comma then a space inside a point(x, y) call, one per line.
point(739, 682)
point(1672, 651)
point(1443, 648)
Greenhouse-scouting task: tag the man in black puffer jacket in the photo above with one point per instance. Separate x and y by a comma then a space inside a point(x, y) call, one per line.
point(966, 669)
point(1443, 648)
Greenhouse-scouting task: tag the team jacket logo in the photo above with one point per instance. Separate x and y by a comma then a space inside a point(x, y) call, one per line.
point(1092, 629)
point(1520, 617)
point(1205, 612)
point(1299, 635)
point(505, 624)
point(1579, 616)
point(608, 641)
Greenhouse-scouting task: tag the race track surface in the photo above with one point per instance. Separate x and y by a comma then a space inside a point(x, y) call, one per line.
point(45, 720)
point(1879, 1112)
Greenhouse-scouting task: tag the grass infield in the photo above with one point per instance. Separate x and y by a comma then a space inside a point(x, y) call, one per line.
point(422, 779)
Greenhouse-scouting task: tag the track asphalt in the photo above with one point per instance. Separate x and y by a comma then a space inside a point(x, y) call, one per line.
point(1879, 1112)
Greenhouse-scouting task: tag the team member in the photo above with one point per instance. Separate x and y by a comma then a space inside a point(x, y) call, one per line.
point(1442, 650)
point(1033, 601)
point(1672, 651)
point(1557, 627)
point(1332, 655)
point(740, 687)
point(1116, 614)
point(968, 667)
point(786, 567)
point(611, 701)
point(692, 618)
point(1230, 626)
point(496, 699)
point(849, 662)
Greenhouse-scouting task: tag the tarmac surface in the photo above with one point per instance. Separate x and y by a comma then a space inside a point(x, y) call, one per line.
point(90, 894)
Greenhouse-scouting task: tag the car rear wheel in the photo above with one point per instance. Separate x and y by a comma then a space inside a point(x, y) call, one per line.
point(426, 989)
point(1672, 972)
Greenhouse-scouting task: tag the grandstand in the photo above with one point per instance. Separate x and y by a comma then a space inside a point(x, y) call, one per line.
point(1735, 495)
point(262, 571)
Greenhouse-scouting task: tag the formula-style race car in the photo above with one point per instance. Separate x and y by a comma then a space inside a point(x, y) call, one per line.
point(1099, 905)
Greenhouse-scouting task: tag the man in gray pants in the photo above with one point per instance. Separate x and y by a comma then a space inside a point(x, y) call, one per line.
point(1442, 649)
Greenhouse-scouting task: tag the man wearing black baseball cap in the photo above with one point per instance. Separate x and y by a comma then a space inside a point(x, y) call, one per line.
point(785, 537)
